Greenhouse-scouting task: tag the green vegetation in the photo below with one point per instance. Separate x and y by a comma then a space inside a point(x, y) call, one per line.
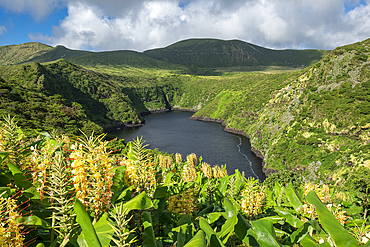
point(316, 122)
point(213, 53)
point(14, 54)
point(63, 191)
point(313, 121)
point(311, 126)
point(194, 56)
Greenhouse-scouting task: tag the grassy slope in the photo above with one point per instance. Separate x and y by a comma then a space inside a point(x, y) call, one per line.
point(213, 53)
point(14, 54)
point(185, 56)
point(318, 120)
point(35, 111)
point(107, 100)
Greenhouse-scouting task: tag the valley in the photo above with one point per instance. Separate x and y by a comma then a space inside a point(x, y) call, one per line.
point(295, 118)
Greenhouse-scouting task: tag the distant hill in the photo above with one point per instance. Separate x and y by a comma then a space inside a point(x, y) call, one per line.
point(181, 56)
point(214, 53)
point(14, 54)
point(109, 58)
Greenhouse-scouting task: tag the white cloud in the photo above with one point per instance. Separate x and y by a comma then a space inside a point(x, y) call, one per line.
point(37, 8)
point(144, 24)
point(2, 30)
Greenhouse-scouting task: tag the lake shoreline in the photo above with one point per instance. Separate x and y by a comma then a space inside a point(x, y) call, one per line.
point(267, 172)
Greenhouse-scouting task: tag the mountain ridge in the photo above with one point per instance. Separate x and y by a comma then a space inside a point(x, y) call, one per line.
point(182, 55)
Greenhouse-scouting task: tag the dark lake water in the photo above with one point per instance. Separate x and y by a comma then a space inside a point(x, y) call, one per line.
point(174, 132)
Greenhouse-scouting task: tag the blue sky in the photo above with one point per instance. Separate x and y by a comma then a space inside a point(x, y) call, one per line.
point(142, 24)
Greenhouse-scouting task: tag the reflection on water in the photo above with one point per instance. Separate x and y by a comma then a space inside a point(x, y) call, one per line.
point(174, 132)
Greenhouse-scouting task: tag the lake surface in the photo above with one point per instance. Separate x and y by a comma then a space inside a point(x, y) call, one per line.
point(174, 132)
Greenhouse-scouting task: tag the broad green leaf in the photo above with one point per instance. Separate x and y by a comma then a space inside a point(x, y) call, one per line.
point(118, 183)
point(20, 179)
point(148, 234)
point(239, 181)
point(160, 192)
point(222, 186)
point(33, 220)
point(141, 201)
point(123, 194)
point(181, 234)
point(290, 218)
point(103, 230)
point(213, 239)
point(3, 156)
point(212, 217)
point(227, 228)
point(265, 233)
point(6, 190)
point(83, 219)
point(199, 240)
point(293, 197)
point(168, 179)
point(40, 245)
point(330, 224)
point(301, 233)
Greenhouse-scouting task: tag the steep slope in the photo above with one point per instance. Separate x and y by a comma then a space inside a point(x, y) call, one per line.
point(318, 122)
point(109, 101)
point(214, 53)
point(35, 111)
point(14, 54)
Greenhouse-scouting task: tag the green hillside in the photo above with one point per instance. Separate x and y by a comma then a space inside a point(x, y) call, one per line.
point(317, 122)
point(107, 100)
point(315, 119)
point(14, 54)
point(214, 53)
point(196, 56)
point(36, 111)
point(109, 58)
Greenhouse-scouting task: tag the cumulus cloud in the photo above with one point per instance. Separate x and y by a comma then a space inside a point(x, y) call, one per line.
point(144, 24)
point(2, 30)
point(37, 8)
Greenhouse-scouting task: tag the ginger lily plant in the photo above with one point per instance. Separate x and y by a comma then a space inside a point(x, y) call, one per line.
point(74, 191)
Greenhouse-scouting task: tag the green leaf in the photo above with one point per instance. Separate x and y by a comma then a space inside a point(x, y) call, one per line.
point(198, 240)
point(330, 224)
point(141, 201)
point(83, 220)
point(123, 194)
point(212, 217)
point(302, 233)
point(33, 220)
point(213, 239)
point(40, 245)
point(222, 186)
point(160, 192)
point(290, 218)
point(181, 234)
point(118, 183)
point(20, 179)
point(148, 234)
point(227, 228)
point(103, 230)
point(293, 197)
point(3, 156)
point(7, 189)
point(265, 233)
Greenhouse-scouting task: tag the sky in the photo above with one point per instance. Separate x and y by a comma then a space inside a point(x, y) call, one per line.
point(101, 25)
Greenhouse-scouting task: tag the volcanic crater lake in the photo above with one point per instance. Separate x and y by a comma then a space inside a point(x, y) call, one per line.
point(174, 132)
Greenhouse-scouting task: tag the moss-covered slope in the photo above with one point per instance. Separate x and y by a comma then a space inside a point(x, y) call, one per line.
point(318, 121)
